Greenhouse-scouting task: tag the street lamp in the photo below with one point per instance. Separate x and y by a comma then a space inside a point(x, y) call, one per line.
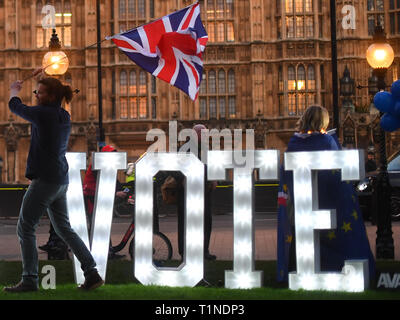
point(55, 62)
point(347, 88)
point(380, 56)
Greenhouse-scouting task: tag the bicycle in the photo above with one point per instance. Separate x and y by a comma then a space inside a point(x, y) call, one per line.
point(162, 248)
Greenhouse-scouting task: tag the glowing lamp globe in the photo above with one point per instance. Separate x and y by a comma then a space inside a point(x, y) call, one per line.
point(380, 55)
point(55, 63)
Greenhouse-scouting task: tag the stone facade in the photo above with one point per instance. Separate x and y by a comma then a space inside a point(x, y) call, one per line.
point(265, 62)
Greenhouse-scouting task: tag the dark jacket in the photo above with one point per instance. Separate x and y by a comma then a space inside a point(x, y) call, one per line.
point(51, 126)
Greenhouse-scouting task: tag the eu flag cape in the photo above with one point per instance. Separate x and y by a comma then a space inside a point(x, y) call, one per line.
point(349, 240)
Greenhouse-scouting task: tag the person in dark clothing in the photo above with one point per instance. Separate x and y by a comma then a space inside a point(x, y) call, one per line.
point(370, 164)
point(47, 168)
point(89, 192)
point(55, 246)
point(208, 188)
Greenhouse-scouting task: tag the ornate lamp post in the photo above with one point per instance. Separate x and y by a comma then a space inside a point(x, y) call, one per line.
point(347, 89)
point(55, 62)
point(380, 56)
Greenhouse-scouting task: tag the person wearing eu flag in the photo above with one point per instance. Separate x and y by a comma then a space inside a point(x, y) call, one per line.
point(349, 239)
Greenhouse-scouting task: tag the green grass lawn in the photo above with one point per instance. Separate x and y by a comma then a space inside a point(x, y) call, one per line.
point(121, 285)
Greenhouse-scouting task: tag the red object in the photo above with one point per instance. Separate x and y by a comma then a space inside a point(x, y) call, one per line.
point(170, 48)
point(108, 149)
point(89, 182)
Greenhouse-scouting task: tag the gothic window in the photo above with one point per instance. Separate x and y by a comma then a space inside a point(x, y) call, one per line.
point(217, 95)
point(132, 13)
point(63, 20)
point(133, 95)
point(301, 90)
point(375, 14)
point(299, 18)
point(219, 20)
point(280, 91)
point(394, 16)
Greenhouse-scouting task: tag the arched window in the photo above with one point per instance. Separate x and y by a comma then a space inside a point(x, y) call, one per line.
point(132, 7)
point(299, 18)
point(291, 78)
point(143, 82)
point(67, 24)
point(222, 108)
point(219, 20)
point(211, 82)
point(203, 108)
point(122, 8)
point(221, 81)
point(231, 81)
point(142, 9)
point(310, 77)
point(213, 108)
point(203, 84)
point(132, 13)
point(280, 79)
point(123, 85)
point(39, 6)
point(133, 95)
point(40, 32)
point(132, 83)
point(375, 14)
point(301, 78)
point(301, 89)
point(218, 99)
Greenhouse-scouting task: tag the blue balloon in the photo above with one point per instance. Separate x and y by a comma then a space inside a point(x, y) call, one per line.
point(395, 90)
point(384, 101)
point(390, 123)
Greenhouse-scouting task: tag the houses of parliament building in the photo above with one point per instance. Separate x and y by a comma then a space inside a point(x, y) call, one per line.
point(264, 63)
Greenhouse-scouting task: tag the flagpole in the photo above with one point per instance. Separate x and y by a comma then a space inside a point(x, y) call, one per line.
point(99, 78)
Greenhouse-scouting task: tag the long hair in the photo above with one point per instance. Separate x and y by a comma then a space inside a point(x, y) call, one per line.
point(55, 88)
point(315, 118)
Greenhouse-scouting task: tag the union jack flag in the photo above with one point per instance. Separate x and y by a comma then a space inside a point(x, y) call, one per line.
point(170, 48)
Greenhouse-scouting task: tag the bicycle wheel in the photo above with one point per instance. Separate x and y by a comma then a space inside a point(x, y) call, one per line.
point(162, 248)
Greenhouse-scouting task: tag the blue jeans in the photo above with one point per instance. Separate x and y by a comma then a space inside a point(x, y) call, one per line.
point(42, 197)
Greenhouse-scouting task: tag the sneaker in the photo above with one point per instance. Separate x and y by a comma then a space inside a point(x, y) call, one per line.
point(44, 247)
point(92, 281)
point(21, 287)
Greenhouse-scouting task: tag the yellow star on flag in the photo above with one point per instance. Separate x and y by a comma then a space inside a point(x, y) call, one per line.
point(346, 226)
point(289, 238)
point(331, 235)
point(355, 215)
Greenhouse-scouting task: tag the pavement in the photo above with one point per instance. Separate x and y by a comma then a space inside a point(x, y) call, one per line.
point(221, 243)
